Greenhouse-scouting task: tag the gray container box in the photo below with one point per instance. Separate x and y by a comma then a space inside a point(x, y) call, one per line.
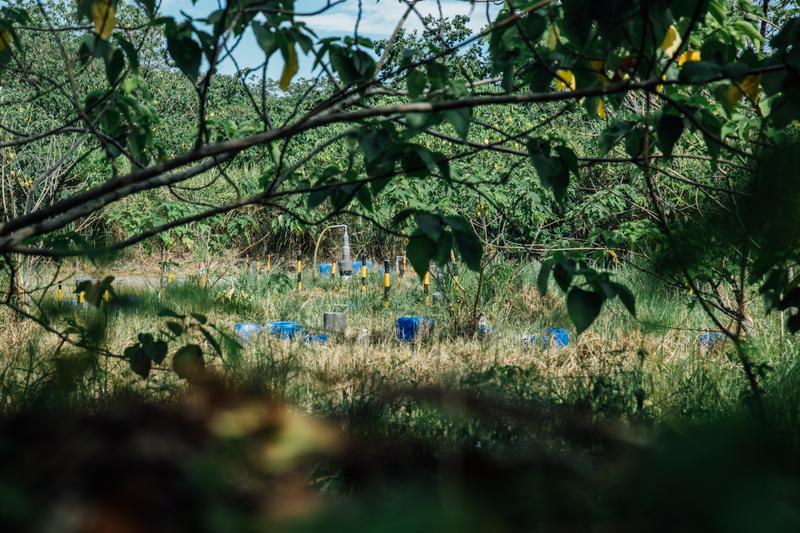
point(334, 322)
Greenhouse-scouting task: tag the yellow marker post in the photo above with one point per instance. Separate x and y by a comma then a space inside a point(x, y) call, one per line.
point(299, 273)
point(269, 264)
point(258, 265)
point(170, 278)
point(81, 298)
point(426, 284)
point(387, 282)
point(106, 296)
point(363, 274)
point(59, 294)
point(333, 269)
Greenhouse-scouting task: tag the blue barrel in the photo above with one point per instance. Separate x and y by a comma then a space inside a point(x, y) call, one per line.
point(284, 329)
point(320, 338)
point(357, 266)
point(558, 336)
point(709, 340)
point(247, 330)
point(325, 268)
point(408, 327)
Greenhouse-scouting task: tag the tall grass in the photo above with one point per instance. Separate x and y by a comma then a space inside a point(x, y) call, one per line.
point(646, 369)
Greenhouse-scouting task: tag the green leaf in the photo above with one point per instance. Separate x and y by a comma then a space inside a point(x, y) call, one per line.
point(543, 278)
point(401, 217)
point(188, 362)
point(444, 246)
point(470, 249)
point(552, 173)
point(459, 119)
point(669, 130)
point(420, 250)
point(138, 360)
point(437, 75)
point(265, 38)
point(185, 52)
point(416, 82)
point(130, 52)
point(793, 323)
point(364, 197)
point(634, 142)
point(563, 273)
point(429, 224)
point(115, 64)
point(614, 134)
point(699, 72)
point(583, 308)
point(626, 297)
point(532, 26)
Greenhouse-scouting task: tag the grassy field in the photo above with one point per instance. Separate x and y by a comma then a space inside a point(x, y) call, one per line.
point(652, 367)
point(365, 430)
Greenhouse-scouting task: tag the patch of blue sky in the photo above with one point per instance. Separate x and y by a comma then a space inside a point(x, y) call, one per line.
point(378, 20)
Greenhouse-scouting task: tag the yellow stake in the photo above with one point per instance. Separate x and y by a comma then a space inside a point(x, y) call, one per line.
point(81, 297)
point(59, 294)
point(333, 269)
point(386, 283)
point(426, 281)
point(106, 295)
point(363, 274)
point(258, 265)
point(299, 273)
point(269, 264)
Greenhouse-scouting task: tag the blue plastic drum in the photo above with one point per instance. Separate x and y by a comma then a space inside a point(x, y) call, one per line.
point(559, 337)
point(409, 327)
point(284, 329)
point(320, 338)
point(247, 330)
point(325, 268)
point(555, 337)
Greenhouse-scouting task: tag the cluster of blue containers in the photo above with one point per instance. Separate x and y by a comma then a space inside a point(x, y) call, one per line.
point(283, 330)
point(555, 337)
point(409, 327)
point(327, 268)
